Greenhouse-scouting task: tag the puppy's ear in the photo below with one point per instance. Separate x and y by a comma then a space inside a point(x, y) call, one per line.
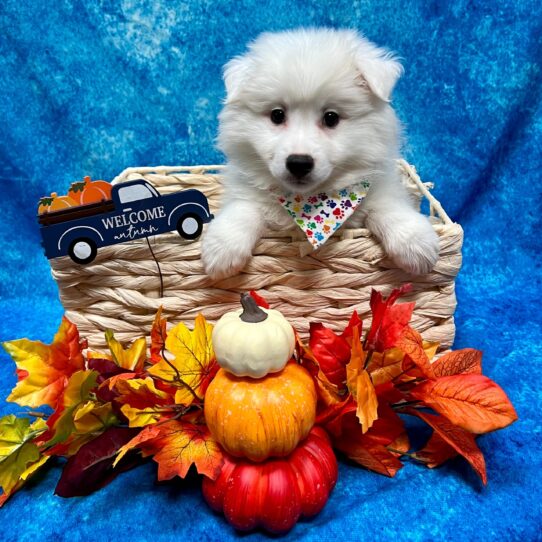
point(235, 75)
point(379, 69)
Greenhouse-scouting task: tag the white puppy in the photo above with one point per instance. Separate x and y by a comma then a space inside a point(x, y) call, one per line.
point(308, 111)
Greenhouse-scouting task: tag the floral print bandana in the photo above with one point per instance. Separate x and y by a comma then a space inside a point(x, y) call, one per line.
point(320, 215)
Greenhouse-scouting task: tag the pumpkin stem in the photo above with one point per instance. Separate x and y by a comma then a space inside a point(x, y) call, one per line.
point(251, 312)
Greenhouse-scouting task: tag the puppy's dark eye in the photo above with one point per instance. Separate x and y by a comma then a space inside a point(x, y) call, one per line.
point(331, 119)
point(278, 116)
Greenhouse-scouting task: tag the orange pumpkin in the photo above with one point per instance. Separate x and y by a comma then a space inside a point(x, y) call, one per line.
point(87, 191)
point(55, 203)
point(259, 418)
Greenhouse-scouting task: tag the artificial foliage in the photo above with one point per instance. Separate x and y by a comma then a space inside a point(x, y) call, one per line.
point(112, 410)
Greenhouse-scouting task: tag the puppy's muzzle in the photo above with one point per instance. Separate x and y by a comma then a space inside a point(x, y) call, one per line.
point(299, 165)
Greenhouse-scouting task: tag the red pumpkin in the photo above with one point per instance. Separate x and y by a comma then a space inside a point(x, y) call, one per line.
point(275, 493)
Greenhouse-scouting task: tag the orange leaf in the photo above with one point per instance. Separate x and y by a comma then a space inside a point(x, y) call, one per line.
point(175, 446)
point(460, 440)
point(183, 444)
point(466, 361)
point(141, 441)
point(401, 444)
point(43, 370)
point(360, 385)
point(158, 337)
point(356, 364)
point(473, 402)
point(411, 343)
point(366, 400)
point(374, 457)
point(385, 366)
point(370, 449)
point(436, 452)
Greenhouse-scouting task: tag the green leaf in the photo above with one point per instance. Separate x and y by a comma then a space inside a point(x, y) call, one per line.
point(17, 451)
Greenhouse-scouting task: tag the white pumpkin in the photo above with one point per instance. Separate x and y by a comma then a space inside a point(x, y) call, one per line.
point(253, 341)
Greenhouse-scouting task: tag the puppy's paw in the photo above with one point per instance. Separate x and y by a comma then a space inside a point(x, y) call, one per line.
point(411, 242)
point(223, 256)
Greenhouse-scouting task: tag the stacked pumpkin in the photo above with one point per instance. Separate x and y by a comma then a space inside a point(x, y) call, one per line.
point(261, 408)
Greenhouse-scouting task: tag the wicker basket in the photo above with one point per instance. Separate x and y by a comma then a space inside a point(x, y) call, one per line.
point(121, 289)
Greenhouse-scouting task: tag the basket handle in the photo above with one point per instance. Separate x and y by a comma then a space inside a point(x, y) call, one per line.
point(434, 204)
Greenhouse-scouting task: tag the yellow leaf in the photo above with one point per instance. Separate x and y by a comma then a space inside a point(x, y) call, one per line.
point(131, 359)
point(43, 370)
point(430, 348)
point(92, 417)
point(34, 467)
point(193, 360)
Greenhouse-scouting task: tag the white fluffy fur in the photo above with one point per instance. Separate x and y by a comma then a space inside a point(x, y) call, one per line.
point(309, 72)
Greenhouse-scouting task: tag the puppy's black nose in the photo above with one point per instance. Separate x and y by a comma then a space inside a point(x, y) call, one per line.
point(299, 164)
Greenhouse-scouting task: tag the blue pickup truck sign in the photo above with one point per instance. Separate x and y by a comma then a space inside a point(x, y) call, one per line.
point(136, 210)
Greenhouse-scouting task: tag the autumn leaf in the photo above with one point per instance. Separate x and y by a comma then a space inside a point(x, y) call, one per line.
point(329, 394)
point(193, 364)
point(436, 452)
point(142, 402)
point(471, 401)
point(92, 467)
point(466, 361)
point(460, 440)
point(43, 370)
point(132, 358)
point(89, 419)
point(385, 366)
point(18, 452)
point(356, 365)
point(260, 301)
point(61, 424)
point(369, 449)
point(25, 476)
point(331, 351)
point(158, 337)
point(410, 342)
point(360, 385)
point(353, 324)
point(389, 320)
point(176, 445)
point(332, 416)
point(104, 365)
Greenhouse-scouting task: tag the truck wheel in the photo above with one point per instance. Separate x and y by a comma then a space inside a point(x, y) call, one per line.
point(190, 226)
point(82, 251)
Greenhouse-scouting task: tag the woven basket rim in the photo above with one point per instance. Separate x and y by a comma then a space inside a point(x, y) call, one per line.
point(435, 207)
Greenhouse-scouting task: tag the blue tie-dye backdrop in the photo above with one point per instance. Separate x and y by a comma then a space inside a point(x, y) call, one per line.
point(91, 87)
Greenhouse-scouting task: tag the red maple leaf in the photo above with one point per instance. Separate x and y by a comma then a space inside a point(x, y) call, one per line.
point(389, 320)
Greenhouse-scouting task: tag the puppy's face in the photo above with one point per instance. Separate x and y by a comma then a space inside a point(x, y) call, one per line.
point(309, 108)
